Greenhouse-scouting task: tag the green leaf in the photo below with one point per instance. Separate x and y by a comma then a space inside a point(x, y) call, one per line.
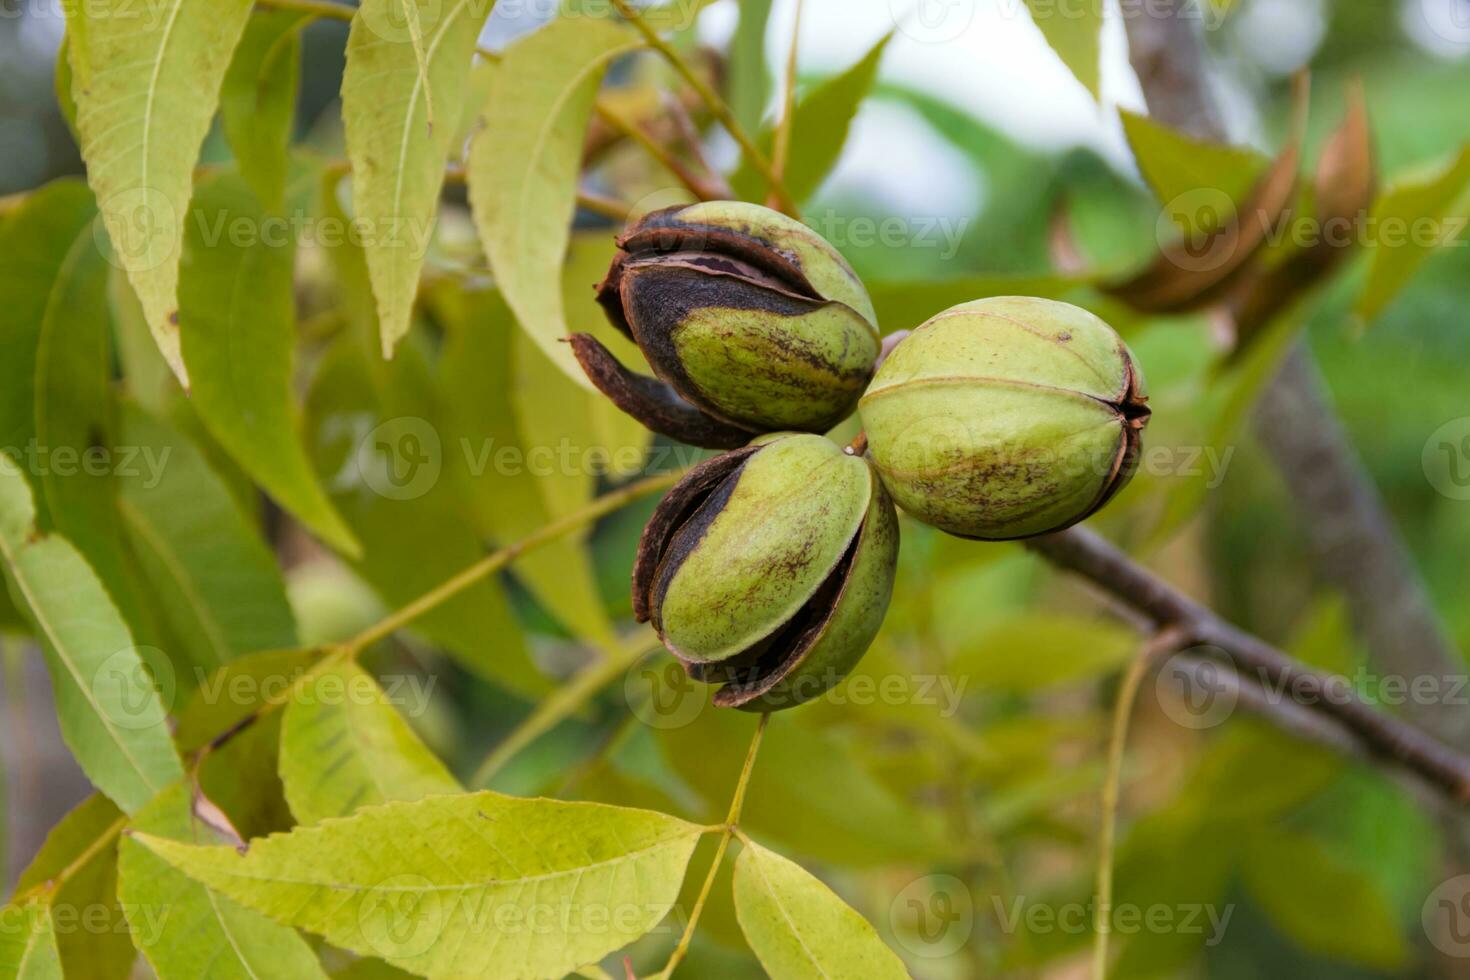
point(799, 928)
point(750, 76)
point(238, 312)
point(475, 885)
point(377, 442)
point(28, 943)
point(344, 746)
point(183, 929)
point(1034, 651)
point(819, 129)
point(258, 100)
point(811, 791)
point(103, 950)
point(111, 716)
point(397, 157)
point(1208, 179)
point(146, 88)
point(242, 778)
point(492, 377)
point(524, 164)
point(1326, 907)
point(1403, 213)
point(1074, 33)
point(56, 363)
point(221, 591)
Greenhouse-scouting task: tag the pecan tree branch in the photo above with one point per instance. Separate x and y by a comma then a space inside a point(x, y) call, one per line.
point(1384, 736)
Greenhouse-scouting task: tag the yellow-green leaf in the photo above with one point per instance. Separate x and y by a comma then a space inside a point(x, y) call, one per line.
point(110, 713)
point(84, 844)
point(28, 943)
point(220, 588)
point(397, 157)
point(1199, 182)
point(376, 441)
point(820, 127)
point(1032, 652)
point(239, 331)
point(185, 930)
point(258, 100)
point(1327, 907)
point(146, 87)
point(454, 886)
point(524, 164)
point(1412, 218)
point(345, 746)
point(55, 372)
point(799, 928)
point(1074, 33)
point(515, 482)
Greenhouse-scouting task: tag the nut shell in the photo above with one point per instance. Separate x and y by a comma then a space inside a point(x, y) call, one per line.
point(1006, 418)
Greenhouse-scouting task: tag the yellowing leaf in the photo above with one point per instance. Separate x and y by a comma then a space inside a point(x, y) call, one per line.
point(799, 928)
point(239, 332)
point(454, 886)
point(524, 164)
point(258, 100)
point(397, 157)
point(146, 88)
point(84, 844)
point(1412, 218)
point(111, 716)
point(28, 943)
point(344, 746)
point(185, 930)
point(1074, 33)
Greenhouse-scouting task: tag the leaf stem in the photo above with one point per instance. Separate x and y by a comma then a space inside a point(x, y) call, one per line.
point(497, 560)
point(564, 702)
point(732, 827)
point(781, 143)
point(660, 155)
point(716, 105)
point(1165, 641)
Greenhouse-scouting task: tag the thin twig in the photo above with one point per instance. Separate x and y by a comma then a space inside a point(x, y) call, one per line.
point(497, 560)
point(717, 106)
point(1087, 554)
point(781, 142)
point(1166, 641)
point(563, 703)
point(659, 154)
point(732, 823)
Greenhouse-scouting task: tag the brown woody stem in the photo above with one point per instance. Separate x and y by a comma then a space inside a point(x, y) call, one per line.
point(1384, 736)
